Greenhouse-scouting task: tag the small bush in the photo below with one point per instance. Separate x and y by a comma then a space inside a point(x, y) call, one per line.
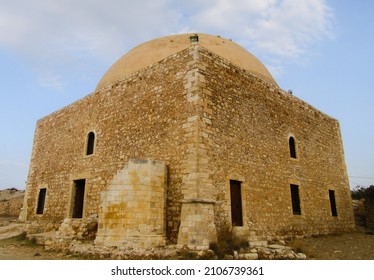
point(227, 242)
point(368, 193)
point(358, 192)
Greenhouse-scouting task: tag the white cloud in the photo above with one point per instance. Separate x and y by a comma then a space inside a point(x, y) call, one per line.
point(55, 34)
point(89, 26)
point(284, 28)
point(73, 34)
point(52, 80)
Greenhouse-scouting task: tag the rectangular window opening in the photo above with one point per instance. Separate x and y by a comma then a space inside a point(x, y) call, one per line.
point(236, 203)
point(334, 212)
point(41, 201)
point(78, 198)
point(295, 197)
point(292, 145)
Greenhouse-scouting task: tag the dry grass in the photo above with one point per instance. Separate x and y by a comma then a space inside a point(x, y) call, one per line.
point(227, 242)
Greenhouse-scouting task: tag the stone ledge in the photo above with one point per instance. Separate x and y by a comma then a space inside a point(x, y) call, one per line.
point(198, 200)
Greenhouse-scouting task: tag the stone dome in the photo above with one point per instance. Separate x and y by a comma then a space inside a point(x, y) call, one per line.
point(156, 50)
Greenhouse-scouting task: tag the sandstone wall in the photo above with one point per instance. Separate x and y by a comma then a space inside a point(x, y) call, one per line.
point(249, 122)
point(209, 122)
point(133, 208)
point(141, 117)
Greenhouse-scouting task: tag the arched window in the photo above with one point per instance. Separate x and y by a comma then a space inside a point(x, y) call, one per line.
point(292, 144)
point(90, 143)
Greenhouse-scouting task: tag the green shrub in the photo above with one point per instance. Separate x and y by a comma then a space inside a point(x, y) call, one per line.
point(358, 192)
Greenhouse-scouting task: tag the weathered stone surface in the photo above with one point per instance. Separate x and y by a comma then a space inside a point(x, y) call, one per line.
point(258, 243)
point(197, 224)
point(278, 246)
point(10, 230)
point(250, 256)
point(133, 209)
point(11, 201)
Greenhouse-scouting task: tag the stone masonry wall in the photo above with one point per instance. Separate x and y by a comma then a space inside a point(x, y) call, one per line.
point(209, 122)
point(249, 122)
point(133, 208)
point(141, 116)
point(197, 213)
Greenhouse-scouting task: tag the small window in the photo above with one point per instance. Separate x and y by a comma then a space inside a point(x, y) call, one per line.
point(41, 201)
point(334, 213)
point(90, 143)
point(295, 197)
point(236, 203)
point(292, 144)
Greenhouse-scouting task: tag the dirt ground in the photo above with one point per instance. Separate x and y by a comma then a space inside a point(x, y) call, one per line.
point(19, 248)
point(358, 245)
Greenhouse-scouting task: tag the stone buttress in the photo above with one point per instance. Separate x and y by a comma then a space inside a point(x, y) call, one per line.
point(197, 226)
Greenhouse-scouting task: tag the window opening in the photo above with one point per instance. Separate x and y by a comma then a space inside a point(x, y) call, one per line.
point(292, 145)
point(334, 212)
point(90, 143)
point(78, 198)
point(295, 197)
point(236, 203)
point(41, 201)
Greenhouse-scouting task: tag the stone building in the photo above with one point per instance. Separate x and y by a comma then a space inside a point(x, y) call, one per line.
point(185, 135)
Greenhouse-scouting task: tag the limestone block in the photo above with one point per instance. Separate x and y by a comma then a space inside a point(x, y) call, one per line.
point(133, 221)
point(197, 224)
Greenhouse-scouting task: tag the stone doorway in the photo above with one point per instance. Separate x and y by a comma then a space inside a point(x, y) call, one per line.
point(78, 198)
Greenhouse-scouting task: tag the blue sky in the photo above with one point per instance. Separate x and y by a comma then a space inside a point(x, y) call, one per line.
point(55, 52)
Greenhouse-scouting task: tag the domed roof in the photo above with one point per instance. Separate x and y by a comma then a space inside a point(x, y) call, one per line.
point(155, 50)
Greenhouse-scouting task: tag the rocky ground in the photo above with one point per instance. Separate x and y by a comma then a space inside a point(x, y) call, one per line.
point(358, 245)
point(11, 201)
point(14, 245)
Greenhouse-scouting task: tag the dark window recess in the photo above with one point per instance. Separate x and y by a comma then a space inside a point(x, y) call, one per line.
point(295, 197)
point(292, 145)
point(194, 38)
point(236, 203)
point(41, 201)
point(90, 143)
point(78, 198)
point(334, 213)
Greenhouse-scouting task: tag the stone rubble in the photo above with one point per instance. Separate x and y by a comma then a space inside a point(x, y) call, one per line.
point(55, 241)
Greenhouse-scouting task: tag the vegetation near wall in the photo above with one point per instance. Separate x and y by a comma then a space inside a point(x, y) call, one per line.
point(363, 201)
point(369, 206)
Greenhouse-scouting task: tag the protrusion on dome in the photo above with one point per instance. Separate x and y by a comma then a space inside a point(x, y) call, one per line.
point(194, 38)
